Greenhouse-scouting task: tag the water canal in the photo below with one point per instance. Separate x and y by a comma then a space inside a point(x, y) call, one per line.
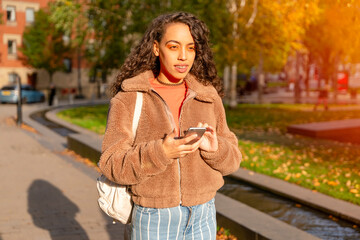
point(40, 118)
point(305, 218)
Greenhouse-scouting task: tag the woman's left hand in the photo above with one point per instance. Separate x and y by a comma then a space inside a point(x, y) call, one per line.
point(209, 141)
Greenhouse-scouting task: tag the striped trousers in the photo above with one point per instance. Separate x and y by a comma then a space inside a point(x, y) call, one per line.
point(180, 223)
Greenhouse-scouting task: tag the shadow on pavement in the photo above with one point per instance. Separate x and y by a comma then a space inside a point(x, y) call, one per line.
point(115, 231)
point(50, 209)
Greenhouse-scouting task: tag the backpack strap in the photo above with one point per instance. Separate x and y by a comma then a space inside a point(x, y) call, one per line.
point(137, 112)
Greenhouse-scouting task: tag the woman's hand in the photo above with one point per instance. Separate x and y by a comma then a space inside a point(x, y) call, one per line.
point(209, 141)
point(175, 148)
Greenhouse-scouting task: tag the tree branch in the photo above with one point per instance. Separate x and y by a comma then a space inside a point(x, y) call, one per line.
point(253, 15)
point(242, 4)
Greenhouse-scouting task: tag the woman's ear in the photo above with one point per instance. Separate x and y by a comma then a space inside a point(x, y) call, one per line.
point(156, 48)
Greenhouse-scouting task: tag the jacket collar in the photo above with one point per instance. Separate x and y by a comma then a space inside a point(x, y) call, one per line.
point(141, 83)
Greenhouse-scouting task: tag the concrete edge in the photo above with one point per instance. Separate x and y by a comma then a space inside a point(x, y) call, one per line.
point(322, 202)
point(263, 225)
point(85, 146)
point(45, 136)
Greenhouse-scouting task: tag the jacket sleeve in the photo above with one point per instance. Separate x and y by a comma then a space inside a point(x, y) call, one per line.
point(121, 160)
point(228, 156)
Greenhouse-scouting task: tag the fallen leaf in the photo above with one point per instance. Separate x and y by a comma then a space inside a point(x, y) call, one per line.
point(354, 191)
point(332, 183)
point(287, 177)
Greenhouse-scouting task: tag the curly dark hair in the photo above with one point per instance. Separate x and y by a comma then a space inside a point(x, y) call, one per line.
point(142, 57)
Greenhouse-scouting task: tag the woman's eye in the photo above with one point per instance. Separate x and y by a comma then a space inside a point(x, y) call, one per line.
point(191, 48)
point(173, 47)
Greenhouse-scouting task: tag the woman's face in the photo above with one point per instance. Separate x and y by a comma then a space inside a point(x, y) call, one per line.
point(176, 52)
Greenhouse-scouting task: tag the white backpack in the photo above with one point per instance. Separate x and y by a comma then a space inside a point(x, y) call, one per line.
point(114, 199)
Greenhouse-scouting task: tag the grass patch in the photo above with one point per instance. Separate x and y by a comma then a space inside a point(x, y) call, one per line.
point(325, 166)
point(89, 117)
point(276, 117)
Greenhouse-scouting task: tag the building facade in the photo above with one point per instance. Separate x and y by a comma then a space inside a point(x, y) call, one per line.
point(16, 16)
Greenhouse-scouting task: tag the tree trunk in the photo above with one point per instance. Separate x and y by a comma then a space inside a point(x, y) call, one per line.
point(297, 90)
point(261, 78)
point(307, 77)
point(80, 95)
point(334, 76)
point(335, 86)
point(233, 101)
point(226, 84)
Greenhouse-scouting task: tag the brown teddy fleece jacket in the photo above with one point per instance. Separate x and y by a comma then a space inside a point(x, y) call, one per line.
point(155, 180)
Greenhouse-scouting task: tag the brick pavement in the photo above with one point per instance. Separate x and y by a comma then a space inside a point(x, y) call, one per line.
point(45, 195)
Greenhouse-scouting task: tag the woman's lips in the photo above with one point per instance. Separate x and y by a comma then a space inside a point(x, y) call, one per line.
point(181, 68)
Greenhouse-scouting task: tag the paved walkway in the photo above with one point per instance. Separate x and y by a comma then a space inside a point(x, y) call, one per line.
point(44, 194)
point(283, 96)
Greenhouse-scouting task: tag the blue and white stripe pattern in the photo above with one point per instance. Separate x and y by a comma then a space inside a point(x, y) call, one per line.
point(180, 223)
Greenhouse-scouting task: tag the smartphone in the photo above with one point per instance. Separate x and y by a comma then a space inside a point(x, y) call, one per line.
point(199, 131)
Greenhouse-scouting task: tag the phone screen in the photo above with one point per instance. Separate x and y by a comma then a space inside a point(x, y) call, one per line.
point(199, 131)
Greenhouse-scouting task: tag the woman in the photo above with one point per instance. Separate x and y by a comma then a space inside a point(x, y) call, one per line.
point(173, 184)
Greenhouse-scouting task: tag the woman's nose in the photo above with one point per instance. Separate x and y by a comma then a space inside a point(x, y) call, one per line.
point(182, 54)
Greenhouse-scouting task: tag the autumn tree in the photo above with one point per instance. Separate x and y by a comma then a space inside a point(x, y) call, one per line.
point(70, 17)
point(267, 32)
point(43, 46)
point(333, 39)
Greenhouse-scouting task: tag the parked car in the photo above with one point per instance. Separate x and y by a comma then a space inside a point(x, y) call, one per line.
point(9, 94)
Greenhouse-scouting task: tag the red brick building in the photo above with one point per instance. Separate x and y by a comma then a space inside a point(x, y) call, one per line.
point(16, 15)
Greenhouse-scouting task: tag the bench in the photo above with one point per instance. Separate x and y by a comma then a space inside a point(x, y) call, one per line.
point(341, 130)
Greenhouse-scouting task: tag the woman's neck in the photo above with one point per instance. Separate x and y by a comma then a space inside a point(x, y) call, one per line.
point(169, 83)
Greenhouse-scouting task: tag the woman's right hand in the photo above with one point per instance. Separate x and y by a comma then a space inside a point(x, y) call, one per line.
point(175, 148)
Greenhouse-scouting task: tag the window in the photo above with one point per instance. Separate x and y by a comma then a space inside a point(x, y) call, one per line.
point(91, 17)
point(11, 47)
point(11, 13)
point(68, 65)
point(29, 14)
point(12, 78)
point(66, 40)
point(27, 88)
